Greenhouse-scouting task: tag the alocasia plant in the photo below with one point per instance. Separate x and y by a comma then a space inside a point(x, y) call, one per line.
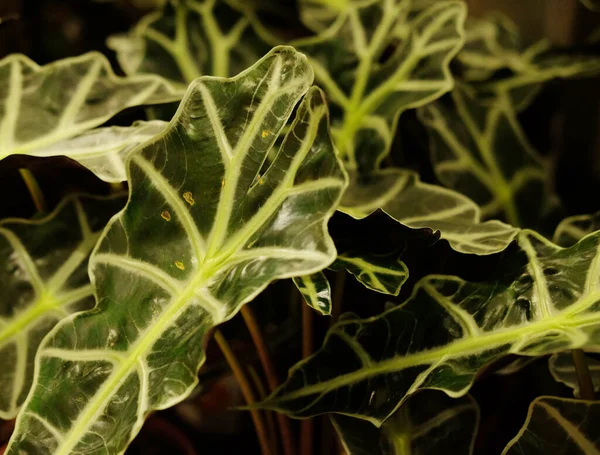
point(229, 231)
point(235, 191)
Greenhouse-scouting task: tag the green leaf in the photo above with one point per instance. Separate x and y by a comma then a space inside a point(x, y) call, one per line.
point(368, 87)
point(316, 291)
point(493, 46)
point(593, 5)
point(429, 423)
point(67, 98)
point(574, 228)
point(202, 234)
point(562, 369)
point(104, 150)
point(558, 426)
point(42, 280)
point(188, 39)
point(400, 194)
point(447, 330)
point(481, 151)
point(380, 274)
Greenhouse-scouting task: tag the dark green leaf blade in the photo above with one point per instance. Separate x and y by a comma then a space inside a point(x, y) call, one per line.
point(316, 291)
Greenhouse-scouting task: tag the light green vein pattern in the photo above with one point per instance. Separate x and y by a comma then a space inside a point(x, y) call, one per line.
point(202, 234)
point(42, 280)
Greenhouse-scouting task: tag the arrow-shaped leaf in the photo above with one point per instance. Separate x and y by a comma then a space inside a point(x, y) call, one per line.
point(481, 151)
point(369, 88)
point(447, 330)
point(316, 291)
point(43, 279)
point(401, 194)
point(66, 98)
point(202, 234)
point(429, 423)
point(558, 426)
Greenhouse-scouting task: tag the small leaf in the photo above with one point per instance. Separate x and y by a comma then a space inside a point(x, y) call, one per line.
point(381, 274)
point(378, 59)
point(161, 284)
point(574, 228)
point(400, 194)
point(429, 423)
point(67, 98)
point(481, 151)
point(42, 280)
point(316, 291)
point(562, 369)
point(447, 330)
point(558, 426)
point(104, 150)
point(187, 39)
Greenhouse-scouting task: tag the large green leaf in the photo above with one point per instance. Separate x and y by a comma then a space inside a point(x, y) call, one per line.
point(574, 228)
point(447, 330)
point(558, 426)
point(401, 194)
point(41, 106)
point(188, 39)
point(42, 280)
point(480, 150)
point(563, 370)
point(368, 87)
point(104, 150)
point(429, 423)
point(202, 234)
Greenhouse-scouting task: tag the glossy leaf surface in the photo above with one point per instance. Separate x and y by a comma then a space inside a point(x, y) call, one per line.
point(316, 291)
point(558, 426)
point(447, 330)
point(380, 274)
point(401, 194)
point(202, 234)
point(370, 90)
point(429, 423)
point(562, 369)
point(43, 279)
point(66, 98)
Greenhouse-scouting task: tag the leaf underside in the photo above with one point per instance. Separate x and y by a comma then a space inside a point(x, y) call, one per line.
point(43, 280)
point(558, 426)
point(67, 98)
point(563, 370)
point(447, 330)
point(202, 234)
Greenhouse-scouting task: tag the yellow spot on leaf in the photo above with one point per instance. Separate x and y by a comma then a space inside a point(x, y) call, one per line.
point(188, 197)
point(264, 134)
point(179, 265)
point(222, 183)
point(166, 215)
point(261, 181)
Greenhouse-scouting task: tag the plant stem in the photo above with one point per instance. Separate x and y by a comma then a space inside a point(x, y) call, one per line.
point(262, 394)
point(307, 426)
point(235, 366)
point(271, 375)
point(34, 190)
point(338, 294)
point(586, 386)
